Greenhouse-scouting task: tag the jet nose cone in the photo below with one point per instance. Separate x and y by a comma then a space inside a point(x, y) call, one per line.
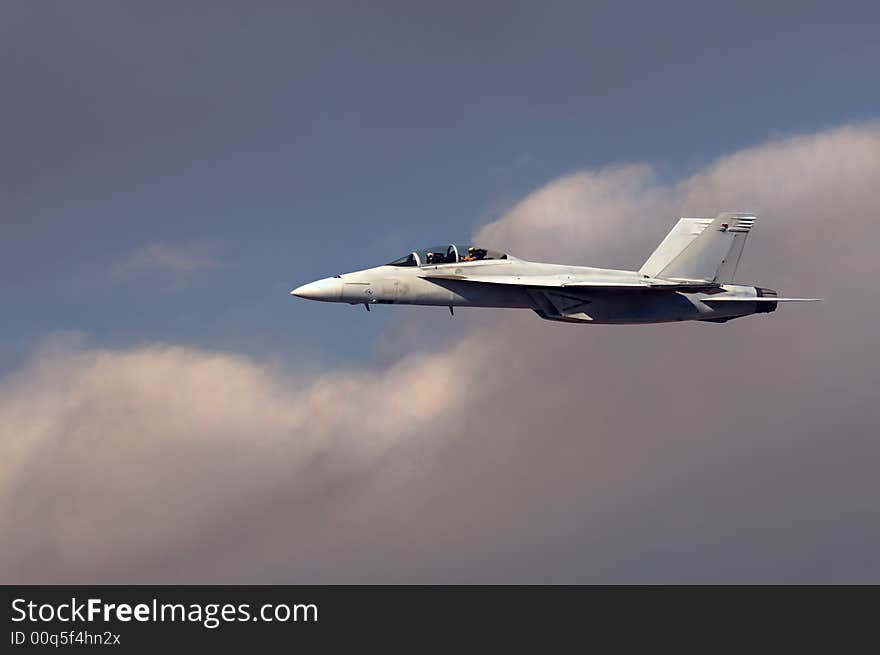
point(328, 289)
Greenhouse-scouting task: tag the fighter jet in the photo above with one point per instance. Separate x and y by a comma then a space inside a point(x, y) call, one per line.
point(689, 277)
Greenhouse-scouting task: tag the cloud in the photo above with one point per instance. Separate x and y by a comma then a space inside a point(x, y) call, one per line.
point(525, 451)
point(576, 216)
point(177, 261)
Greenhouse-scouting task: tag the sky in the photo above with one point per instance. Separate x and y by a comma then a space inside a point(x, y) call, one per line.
point(169, 171)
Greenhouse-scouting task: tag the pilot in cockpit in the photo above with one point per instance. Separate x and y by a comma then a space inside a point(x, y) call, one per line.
point(474, 254)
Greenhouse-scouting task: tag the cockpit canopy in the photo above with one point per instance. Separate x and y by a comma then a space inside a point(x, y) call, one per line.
point(451, 254)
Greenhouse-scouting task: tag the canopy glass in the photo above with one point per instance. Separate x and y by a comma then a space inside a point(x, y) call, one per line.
point(451, 254)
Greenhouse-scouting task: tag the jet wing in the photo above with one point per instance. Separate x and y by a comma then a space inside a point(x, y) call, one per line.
point(567, 282)
point(764, 299)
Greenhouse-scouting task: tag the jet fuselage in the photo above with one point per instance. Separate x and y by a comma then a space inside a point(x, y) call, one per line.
point(688, 277)
point(409, 286)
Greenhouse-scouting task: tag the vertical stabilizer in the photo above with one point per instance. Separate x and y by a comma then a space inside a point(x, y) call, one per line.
point(713, 254)
point(679, 238)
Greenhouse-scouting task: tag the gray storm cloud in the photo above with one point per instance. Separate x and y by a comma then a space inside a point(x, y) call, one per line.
point(525, 451)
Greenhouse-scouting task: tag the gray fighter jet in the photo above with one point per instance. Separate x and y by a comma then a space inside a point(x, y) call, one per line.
point(688, 277)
